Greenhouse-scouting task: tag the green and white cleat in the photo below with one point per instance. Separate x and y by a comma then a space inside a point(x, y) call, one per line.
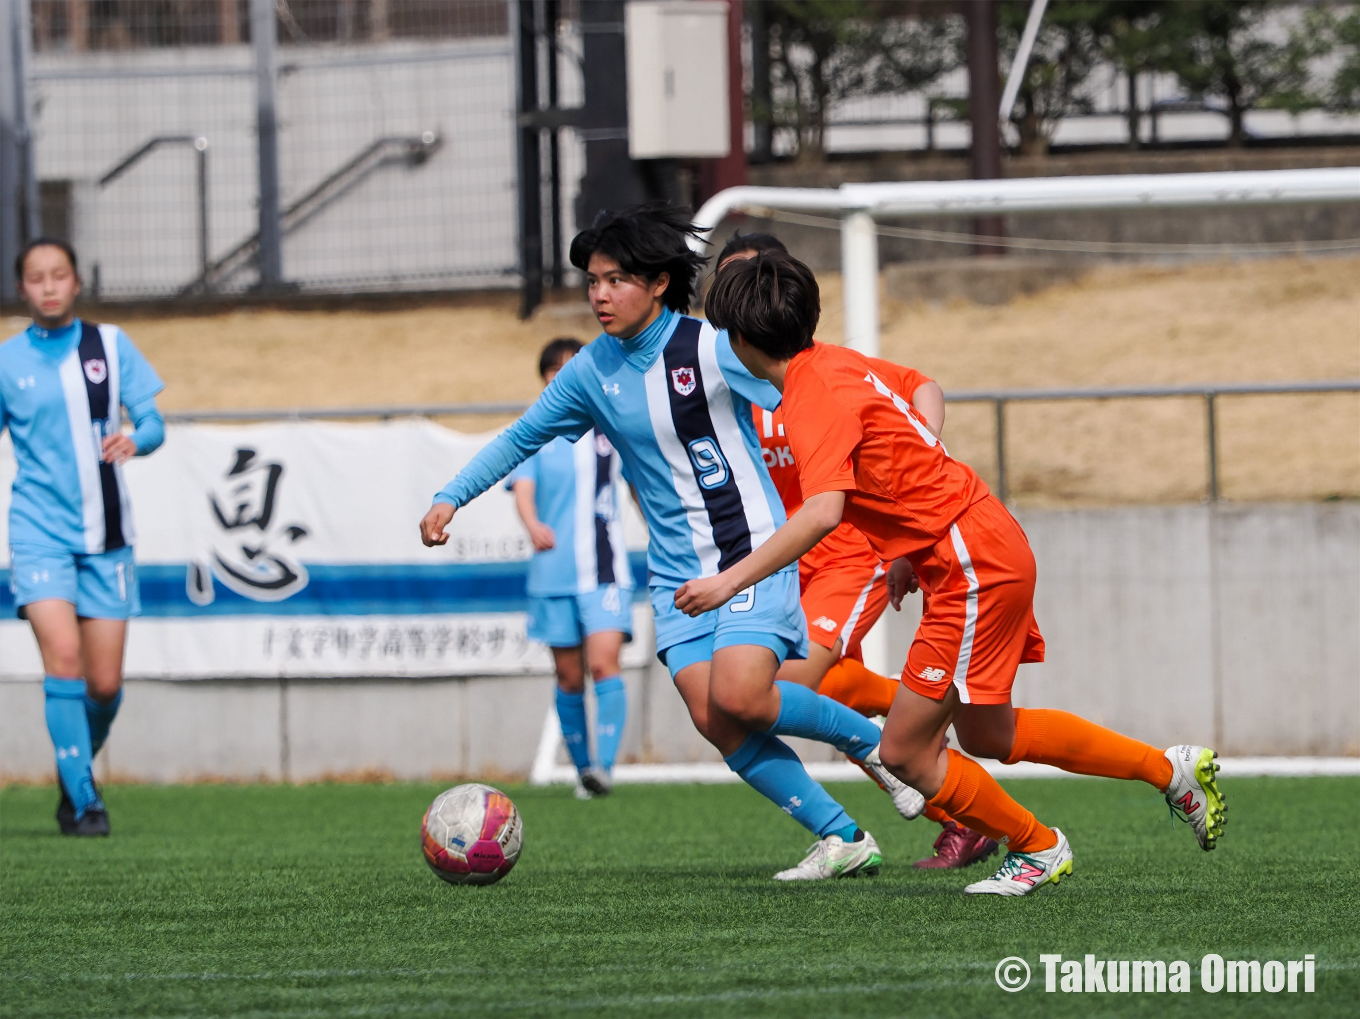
point(1193, 794)
point(1021, 873)
point(832, 857)
point(908, 801)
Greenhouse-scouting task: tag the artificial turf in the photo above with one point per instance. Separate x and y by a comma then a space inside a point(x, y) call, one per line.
point(657, 901)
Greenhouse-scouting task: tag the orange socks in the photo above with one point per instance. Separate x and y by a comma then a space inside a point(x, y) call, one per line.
point(973, 798)
point(1066, 741)
point(851, 684)
point(934, 813)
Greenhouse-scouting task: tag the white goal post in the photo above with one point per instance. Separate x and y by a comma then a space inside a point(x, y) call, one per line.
point(860, 205)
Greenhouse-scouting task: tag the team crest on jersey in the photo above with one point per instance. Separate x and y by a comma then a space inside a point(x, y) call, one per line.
point(96, 370)
point(683, 380)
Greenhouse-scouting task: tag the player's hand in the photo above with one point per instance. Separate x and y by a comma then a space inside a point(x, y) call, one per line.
point(695, 597)
point(433, 524)
point(902, 581)
point(118, 448)
point(542, 537)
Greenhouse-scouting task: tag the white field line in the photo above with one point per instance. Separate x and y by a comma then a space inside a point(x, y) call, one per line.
point(710, 773)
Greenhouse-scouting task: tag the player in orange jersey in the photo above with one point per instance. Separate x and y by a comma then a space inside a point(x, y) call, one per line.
point(844, 589)
point(864, 455)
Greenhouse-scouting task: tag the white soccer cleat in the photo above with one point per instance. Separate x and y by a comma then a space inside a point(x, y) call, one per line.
point(1021, 873)
point(1193, 794)
point(596, 781)
point(908, 801)
point(831, 857)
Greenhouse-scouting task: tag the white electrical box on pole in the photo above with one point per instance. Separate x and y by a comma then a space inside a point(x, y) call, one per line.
point(677, 79)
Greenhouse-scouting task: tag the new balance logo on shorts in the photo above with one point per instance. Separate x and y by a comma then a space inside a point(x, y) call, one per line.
point(826, 624)
point(932, 675)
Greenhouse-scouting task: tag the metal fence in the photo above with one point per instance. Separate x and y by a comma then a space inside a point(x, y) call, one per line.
point(1000, 399)
point(208, 146)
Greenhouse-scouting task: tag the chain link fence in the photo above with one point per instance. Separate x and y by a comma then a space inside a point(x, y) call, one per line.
point(395, 143)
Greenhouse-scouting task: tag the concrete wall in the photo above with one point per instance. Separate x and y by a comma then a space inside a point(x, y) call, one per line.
point(1238, 625)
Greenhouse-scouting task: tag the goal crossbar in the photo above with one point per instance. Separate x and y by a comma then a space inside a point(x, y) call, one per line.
point(859, 205)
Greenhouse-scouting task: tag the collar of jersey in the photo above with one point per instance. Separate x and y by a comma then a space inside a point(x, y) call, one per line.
point(54, 340)
point(642, 350)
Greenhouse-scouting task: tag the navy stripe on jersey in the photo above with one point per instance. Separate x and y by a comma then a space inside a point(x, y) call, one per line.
point(694, 427)
point(94, 364)
point(604, 495)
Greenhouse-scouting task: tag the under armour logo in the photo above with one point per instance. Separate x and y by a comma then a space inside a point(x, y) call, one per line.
point(26, 381)
point(65, 752)
point(932, 675)
point(793, 804)
point(610, 388)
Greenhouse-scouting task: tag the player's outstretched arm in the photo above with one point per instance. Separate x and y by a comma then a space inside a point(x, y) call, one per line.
point(560, 410)
point(818, 517)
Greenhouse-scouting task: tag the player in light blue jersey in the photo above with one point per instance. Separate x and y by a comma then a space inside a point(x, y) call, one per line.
point(670, 395)
point(580, 583)
point(63, 386)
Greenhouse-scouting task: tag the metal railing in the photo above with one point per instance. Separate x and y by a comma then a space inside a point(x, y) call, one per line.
point(999, 398)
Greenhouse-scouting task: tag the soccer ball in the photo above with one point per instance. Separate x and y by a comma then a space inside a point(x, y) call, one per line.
point(471, 835)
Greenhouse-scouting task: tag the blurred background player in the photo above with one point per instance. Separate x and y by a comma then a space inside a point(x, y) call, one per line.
point(845, 588)
point(580, 583)
point(863, 454)
point(676, 403)
point(63, 386)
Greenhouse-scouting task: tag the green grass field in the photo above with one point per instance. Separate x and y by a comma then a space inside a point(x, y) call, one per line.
point(315, 901)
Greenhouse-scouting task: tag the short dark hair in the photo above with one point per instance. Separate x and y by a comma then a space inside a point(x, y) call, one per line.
point(740, 242)
point(770, 301)
point(44, 242)
point(646, 240)
point(556, 352)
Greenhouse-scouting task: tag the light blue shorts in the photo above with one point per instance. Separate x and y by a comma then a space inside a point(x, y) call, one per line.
point(768, 615)
point(101, 585)
point(567, 620)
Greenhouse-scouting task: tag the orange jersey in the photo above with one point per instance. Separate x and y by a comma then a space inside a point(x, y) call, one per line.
point(851, 429)
point(844, 544)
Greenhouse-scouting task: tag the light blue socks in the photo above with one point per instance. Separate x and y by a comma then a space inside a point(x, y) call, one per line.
point(812, 716)
point(611, 710)
point(571, 712)
point(70, 731)
point(101, 716)
point(772, 769)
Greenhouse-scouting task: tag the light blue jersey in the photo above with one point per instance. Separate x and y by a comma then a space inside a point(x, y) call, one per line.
point(676, 403)
point(577, 493)
point(61, 393)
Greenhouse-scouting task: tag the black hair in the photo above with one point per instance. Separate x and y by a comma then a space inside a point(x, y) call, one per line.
point(740, 242)
point(556, 352)
point(44, 242)
point(646, 240)
point(770, 301)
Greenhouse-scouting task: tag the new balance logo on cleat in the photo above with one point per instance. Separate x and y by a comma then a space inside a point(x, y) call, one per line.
point(932, 675)
point(1029, 873)
point(1187, 803)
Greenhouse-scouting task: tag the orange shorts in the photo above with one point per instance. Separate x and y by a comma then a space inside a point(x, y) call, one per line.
point(843, 602)
point(978, 625)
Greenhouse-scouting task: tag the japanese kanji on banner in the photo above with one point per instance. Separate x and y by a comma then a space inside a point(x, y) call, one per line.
point(292, 549)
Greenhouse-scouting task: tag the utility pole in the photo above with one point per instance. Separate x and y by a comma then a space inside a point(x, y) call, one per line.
point(11, 98)
point(264, 40)
point(984, 95)
point(530, 159)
